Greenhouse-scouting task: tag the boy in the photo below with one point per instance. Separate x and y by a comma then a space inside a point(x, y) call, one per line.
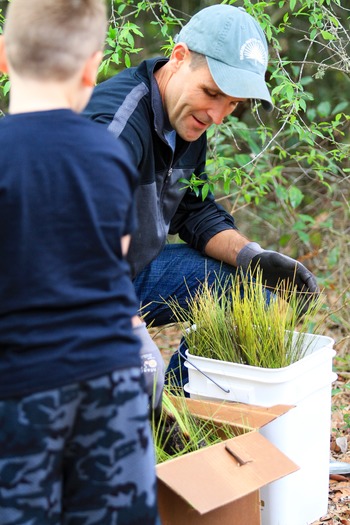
point(75, 441)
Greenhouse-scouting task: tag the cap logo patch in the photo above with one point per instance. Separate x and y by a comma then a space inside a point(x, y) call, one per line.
point(253, 49)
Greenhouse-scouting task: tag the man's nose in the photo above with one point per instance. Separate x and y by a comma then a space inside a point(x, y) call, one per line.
point(218, 112)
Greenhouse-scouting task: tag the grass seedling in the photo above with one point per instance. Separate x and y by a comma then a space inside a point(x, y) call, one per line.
point(239, 321)
point(178, 432)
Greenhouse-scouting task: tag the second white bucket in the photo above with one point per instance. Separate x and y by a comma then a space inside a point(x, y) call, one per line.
point(303, 433)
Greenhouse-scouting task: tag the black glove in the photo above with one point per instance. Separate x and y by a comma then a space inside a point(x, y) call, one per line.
point(152, 365)
point(275, 268)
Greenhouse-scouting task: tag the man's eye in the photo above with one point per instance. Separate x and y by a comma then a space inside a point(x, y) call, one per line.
point(210, 93)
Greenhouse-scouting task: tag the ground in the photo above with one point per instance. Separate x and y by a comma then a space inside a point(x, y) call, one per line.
point(339, 486)
point(167, 339)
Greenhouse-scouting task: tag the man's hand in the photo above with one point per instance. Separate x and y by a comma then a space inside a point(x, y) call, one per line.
point(152, 366)
point(276, 268)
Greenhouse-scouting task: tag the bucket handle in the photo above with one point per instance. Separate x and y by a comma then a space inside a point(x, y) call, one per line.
point(226, 390)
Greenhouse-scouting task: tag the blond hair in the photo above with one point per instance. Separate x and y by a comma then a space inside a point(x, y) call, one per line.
point(51, 39)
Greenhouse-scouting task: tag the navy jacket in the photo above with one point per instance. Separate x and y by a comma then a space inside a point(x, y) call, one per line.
point(130, 104)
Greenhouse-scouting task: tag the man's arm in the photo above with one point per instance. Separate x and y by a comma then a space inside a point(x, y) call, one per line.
point(226, 245)
point(233, 248)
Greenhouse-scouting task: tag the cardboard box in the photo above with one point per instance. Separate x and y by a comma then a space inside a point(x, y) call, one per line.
point(219, 484)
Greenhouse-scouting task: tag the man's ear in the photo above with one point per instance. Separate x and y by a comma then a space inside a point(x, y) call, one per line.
point(179, 54)
point(91, 68)
point(3, 59)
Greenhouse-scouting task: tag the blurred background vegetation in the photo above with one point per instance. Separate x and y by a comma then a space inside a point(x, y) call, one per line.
point(283, 175)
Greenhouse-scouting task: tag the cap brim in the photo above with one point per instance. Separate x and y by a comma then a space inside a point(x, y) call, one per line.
point(240, 83)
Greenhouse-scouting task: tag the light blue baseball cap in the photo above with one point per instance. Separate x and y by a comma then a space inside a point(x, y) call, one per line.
point(235, 48)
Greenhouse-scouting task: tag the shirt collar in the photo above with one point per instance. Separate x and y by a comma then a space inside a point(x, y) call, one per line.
point(161, 119)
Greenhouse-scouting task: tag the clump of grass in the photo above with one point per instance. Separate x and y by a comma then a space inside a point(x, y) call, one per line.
point(239, 321)
point(178, 432)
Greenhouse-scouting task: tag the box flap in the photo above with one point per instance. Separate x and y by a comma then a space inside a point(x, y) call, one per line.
point(239, 415)
point(222, 473)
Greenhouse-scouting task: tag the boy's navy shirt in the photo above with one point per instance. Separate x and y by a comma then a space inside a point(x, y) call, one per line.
point(66, 296)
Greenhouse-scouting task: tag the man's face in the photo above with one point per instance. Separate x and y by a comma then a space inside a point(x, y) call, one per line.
point(193, 101)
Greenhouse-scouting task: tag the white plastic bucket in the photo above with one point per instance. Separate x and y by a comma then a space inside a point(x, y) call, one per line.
point(303, 433)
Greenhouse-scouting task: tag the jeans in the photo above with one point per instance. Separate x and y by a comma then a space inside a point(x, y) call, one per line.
point(176, 273)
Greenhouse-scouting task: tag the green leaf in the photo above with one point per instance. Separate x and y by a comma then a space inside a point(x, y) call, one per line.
point(327, 35)
point(302, 104)
point(6, 87)
point(127, 60)
point(295, 196)
point(205, 190)
point(121, 9)
point(340, 107)
point(324, 108)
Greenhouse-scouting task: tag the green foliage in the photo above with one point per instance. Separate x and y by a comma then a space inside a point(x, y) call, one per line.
point(306, 143)
point(276, 161)
point(120, 43)
point(288, 169)
point(124, 35)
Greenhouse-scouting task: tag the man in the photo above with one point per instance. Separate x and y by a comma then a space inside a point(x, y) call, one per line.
point(161, 110)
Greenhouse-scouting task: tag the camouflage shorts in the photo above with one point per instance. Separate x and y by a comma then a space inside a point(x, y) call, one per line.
point(79, 455)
